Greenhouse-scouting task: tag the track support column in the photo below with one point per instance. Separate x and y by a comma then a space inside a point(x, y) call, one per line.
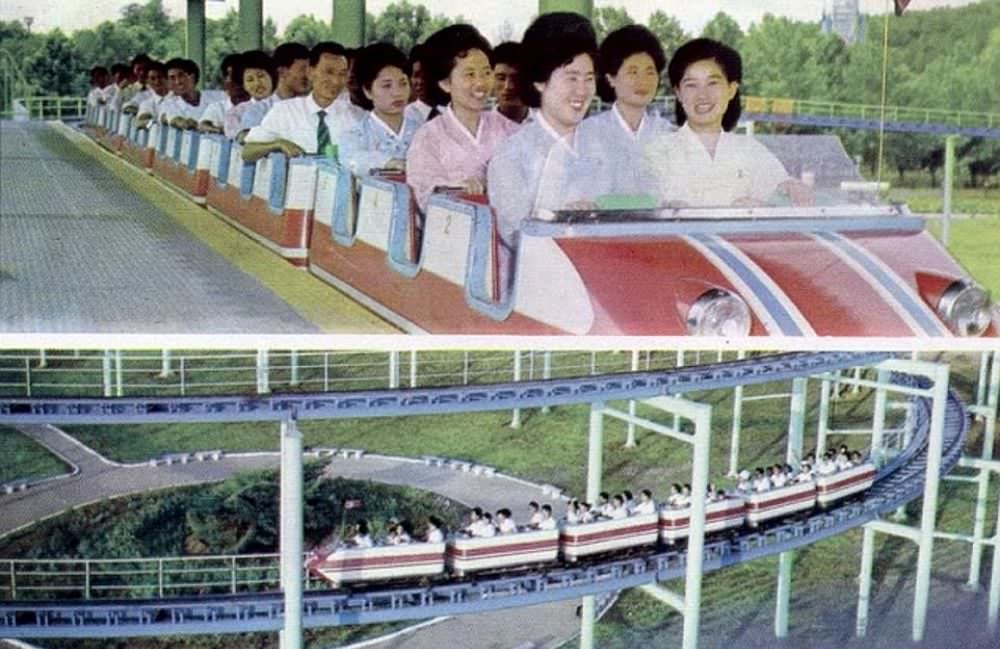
point(823, 425)
point(734, 440)
point(546, 373)
point(878, 419)
point(865, 580)
point(696, 540)
point(793, 456)
point(165, 364)
point(515, 419)
point(949, 181)
point(263, 371)
point(630, 438)
point(291, 533)
point(783, 594)
point(293, 358)
point(796, 422)
point(595, 470)
point(349, 22)
point(928, 514)
point(251, 24)
point(986, 406)
point(195, 43)
point(393, 369)
point(583, 7)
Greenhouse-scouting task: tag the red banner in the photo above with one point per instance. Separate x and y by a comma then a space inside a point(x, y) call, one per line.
point(901, 6)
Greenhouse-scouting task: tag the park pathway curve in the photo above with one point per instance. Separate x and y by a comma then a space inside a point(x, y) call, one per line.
point(94, 478)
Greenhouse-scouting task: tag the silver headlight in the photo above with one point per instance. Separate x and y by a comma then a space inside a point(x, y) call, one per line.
point(965, 308)
point(718, 312)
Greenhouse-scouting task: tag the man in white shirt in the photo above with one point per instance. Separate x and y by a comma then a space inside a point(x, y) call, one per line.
point(418, 106)
point(291, 60)
point(645, 504)
point(310, 124)
point(184, 109)
point(505, 524)
point(156, 87)
point(546, 522)
point(98, 80)
point(214, 114)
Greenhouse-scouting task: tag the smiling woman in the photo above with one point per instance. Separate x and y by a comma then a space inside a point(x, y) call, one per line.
point(702, 164)
point(452, 148)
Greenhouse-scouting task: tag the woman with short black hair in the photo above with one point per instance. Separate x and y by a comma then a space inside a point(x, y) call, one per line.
point(382, 138)
point(559, 79)
point(457, 141)
point(703, 164)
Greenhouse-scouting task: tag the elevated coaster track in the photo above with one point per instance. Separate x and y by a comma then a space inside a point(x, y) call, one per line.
point(898, 119)
point(898, 481)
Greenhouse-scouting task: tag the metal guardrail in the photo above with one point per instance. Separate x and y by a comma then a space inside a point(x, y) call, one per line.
point(396, 402)
point(47, 108)
point(784, 106)
point(897, 483)
point(198, 373)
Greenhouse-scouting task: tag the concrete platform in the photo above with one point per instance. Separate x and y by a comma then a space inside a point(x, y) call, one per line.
point(91, 245)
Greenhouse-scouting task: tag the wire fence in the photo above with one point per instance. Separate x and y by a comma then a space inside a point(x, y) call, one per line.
point(151, 577)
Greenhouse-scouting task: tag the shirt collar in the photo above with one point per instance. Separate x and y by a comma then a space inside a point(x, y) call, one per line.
point(380, 123)
point(454, 118)
point(554, 134)
point(625, 125)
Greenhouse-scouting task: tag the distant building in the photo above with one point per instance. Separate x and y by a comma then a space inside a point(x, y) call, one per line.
point(843, 18)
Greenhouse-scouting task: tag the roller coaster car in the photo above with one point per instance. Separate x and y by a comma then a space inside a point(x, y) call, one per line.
point(843, 270)
point(831, 488)
point(675, 523)
point(585, 539)
point(466, 555)
point(462, 556)
point(850, 268)
point(782, 501)
point(346, 565)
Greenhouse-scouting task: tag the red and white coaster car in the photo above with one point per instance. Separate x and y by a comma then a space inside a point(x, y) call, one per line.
point(471, 554)
point(675, 523)
point(830, 488)
point(780, 502)
point(585, 539)
point(346, 565)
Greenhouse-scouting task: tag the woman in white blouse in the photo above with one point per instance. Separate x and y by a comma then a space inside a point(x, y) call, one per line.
point(703, 164)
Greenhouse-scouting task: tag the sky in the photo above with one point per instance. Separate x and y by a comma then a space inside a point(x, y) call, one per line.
point(489, 15)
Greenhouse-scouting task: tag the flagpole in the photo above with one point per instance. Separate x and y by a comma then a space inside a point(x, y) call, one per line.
point(885, 75)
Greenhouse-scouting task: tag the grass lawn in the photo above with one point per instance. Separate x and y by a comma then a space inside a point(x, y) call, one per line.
point(977, 202)
point(23, 459)
point(976, 244)
point(549, 447)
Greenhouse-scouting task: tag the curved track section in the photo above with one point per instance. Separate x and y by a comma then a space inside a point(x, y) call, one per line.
point(898, 482)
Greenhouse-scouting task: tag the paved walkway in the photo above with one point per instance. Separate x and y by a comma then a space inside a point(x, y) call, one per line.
point(96, 478)
point(91, 245)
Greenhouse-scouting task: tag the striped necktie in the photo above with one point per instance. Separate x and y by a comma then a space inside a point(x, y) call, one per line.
point(324, 146)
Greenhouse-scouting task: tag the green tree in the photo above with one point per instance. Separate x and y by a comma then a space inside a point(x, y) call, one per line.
point(57, 68)
point(723, 28)
point(404, 24)
point(608, 19)
point(308, 30)
point(668, 29)
point(785, 58)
